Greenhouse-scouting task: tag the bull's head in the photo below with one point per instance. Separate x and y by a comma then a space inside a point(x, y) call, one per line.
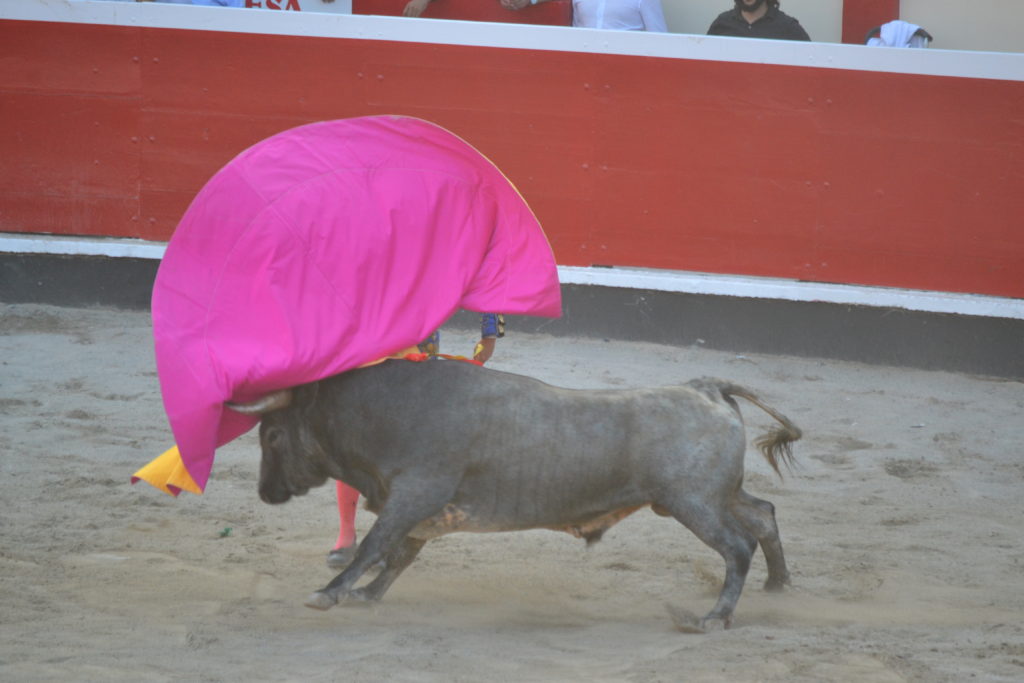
point(294, 460)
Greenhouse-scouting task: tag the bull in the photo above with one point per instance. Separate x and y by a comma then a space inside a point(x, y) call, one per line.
point(441, 446)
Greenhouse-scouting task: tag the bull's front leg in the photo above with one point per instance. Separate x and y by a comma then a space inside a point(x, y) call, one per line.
point(400, 558)
point(383, 538)
point(409, 503)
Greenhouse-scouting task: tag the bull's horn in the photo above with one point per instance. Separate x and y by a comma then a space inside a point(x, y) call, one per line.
point(267, 404)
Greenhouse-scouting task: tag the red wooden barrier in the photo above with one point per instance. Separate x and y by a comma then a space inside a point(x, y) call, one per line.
point(824, 175)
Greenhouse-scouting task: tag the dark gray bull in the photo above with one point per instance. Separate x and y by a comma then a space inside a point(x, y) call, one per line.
point(443, 446)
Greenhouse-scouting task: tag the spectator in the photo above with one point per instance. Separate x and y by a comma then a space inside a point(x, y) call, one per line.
point(757, 19)
point(898, 34)
point(618, 15)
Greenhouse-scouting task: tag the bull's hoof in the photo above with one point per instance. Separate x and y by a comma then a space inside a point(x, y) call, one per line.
point(776, 584)
point(712, 624)
point(320, 600)
point(688, 622)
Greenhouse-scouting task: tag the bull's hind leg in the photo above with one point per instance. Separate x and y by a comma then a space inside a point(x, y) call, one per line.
point(758, 516)
point(714, 523)
point(396, 562)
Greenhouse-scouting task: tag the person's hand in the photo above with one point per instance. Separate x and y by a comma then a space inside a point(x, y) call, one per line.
point(484, 349)
point(515, 4)
point(415, 7)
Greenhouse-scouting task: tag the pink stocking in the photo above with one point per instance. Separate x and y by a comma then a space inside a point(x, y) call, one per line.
point(348, 497)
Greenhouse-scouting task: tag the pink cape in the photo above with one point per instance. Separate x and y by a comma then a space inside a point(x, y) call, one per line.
point(326, 247)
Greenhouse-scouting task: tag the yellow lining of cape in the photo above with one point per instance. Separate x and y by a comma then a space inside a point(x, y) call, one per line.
point(168, 473)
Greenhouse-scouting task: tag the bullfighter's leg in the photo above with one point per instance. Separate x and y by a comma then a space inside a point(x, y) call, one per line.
point(345, 548)
point(399, 558)
point(409, 503)
point(758, 516)
point(713, 523)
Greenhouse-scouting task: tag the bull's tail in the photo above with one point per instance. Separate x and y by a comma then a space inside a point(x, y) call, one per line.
point(776, 445)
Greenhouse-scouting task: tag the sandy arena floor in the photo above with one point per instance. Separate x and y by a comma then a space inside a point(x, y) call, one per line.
point(902, 528)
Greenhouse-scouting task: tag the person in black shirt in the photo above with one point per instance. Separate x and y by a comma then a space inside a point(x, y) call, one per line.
point(757, 19)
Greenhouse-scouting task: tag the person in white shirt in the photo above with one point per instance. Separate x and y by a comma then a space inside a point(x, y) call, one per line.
point(616, 15)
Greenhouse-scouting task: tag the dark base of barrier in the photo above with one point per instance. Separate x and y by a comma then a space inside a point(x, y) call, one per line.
point(77, 281)
point(987, 346)
point(885, 336)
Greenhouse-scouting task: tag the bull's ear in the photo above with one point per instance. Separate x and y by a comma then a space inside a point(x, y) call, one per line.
point(268, 404)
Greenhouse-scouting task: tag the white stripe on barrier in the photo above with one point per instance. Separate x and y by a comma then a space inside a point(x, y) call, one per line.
point(741, 286)
point(745, 286)
point(61, 245)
